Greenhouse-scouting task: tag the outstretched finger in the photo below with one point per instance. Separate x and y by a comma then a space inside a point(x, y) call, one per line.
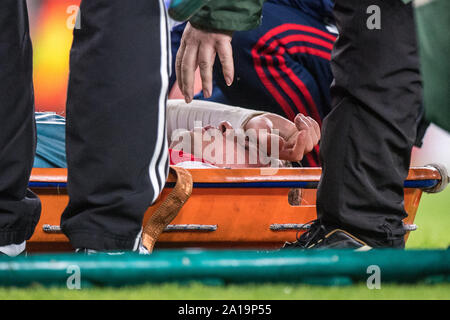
point(206, 57)
point(188, 67)
point(178, 63)
point(225, 52)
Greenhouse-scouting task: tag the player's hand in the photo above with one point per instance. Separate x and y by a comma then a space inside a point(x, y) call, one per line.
point(199, 49)
point(305, 139)
point(295, 138)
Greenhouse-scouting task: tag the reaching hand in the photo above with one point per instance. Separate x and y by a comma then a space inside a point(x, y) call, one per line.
point(198, 49)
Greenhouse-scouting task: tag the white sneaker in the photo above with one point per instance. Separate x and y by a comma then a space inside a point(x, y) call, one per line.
point(13, 250)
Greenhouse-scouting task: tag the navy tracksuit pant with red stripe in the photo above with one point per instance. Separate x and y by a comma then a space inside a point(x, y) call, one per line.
point(117, 150)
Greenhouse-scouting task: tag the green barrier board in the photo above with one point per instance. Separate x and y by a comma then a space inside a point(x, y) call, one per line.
point(327, 267)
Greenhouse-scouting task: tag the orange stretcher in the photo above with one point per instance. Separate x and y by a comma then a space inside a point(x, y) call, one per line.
point(228, 208)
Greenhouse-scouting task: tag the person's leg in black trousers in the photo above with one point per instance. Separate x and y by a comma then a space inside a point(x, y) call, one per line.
point(116, 139)
point(19, 207)
point(368, 136)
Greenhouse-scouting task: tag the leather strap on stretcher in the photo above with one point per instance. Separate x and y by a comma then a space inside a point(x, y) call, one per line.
point(169, 208)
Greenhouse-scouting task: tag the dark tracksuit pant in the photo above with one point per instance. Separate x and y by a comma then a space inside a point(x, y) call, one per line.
point(19, 207)
point(116, 142)
point(367, 138)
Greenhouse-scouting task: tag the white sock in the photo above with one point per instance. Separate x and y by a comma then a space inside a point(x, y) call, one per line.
point(138, 246)
point(13, 250)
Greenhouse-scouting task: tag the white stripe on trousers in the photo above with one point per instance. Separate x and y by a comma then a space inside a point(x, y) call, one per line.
point(163, 169)
point(161, 139)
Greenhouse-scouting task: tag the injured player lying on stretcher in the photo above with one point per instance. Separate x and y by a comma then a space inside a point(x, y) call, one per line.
point(217, 135)
point(205, 134)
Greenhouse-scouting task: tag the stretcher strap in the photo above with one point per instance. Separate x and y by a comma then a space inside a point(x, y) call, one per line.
point(169, 208)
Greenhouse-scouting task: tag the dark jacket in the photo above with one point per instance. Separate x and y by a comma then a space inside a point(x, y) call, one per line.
point(241, 15)
point(315, 8)
point(229, 15)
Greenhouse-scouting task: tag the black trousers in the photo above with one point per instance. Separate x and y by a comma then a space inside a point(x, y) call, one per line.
point(116, 141)
point(19, 207)
point(367, 138)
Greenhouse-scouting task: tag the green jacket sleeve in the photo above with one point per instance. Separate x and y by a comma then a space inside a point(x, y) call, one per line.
point(229, 15)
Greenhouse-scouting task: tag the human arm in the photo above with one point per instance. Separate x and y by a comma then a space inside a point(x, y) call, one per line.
point(295, 138)
point(206, 113)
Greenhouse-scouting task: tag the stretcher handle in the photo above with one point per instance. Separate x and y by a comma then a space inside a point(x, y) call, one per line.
point(443, 182)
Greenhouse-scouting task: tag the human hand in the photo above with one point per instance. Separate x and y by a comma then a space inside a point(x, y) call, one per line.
point(199, 49)
point(295, 138)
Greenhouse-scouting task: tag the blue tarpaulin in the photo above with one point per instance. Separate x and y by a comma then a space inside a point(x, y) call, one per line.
point(51, 146)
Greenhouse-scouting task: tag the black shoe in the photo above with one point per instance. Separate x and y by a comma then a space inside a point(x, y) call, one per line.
point(318, 237)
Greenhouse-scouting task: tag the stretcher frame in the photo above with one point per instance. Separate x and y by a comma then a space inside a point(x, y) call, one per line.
point(229, 208)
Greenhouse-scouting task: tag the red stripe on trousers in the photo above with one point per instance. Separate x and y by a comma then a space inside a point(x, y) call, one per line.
point(269, 86)
point(278, 97)
point(310, 51)
point(292, 26)
point(286, 88)
point(302, 87)
point(292, 38)
point(292, 76)
point(297, 81)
